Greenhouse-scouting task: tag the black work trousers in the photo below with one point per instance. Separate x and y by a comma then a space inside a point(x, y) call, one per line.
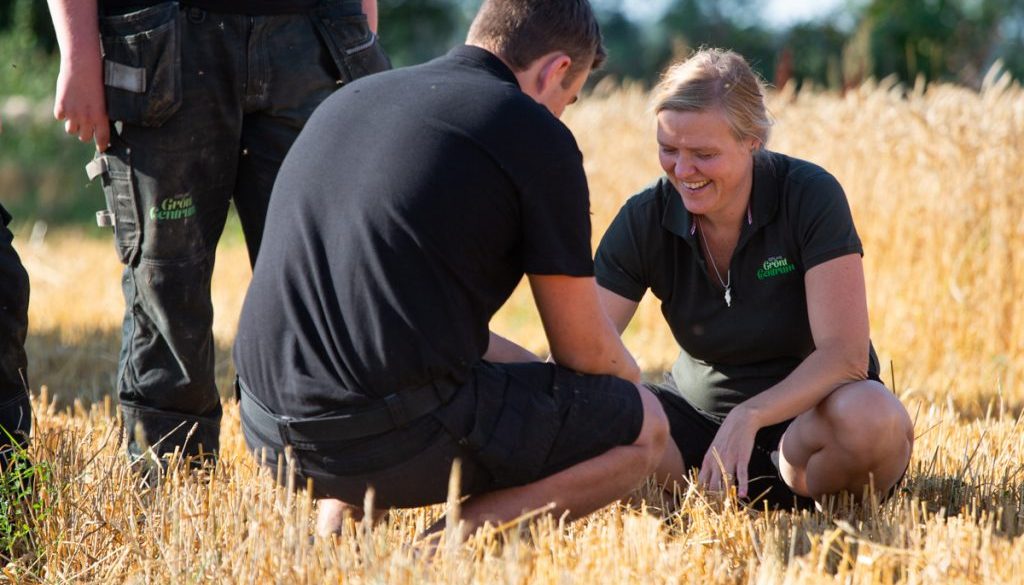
point(15, 409)
point(203, 108)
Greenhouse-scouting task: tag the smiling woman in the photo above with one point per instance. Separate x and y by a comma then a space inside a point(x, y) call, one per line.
point(756, 261)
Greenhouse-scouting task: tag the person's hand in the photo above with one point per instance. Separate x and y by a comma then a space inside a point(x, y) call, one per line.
point(80, 102)
point(728, 457)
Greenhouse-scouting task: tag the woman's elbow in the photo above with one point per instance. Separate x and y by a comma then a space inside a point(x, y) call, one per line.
point(851, 361)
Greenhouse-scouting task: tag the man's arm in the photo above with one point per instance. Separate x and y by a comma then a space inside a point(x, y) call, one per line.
point(370, 10)
point(505, 351)
point(80, 101)
point(580, 334)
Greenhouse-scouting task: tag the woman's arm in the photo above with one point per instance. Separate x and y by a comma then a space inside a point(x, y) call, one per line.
point(619, 309)
point(838, 314)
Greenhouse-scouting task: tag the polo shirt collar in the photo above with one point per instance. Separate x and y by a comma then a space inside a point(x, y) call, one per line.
point(485, 60)
point(764, 201)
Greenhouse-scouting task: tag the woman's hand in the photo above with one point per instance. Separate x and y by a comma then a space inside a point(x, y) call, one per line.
point(728, 456)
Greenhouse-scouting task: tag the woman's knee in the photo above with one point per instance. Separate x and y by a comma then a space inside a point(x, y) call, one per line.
point(867, 420)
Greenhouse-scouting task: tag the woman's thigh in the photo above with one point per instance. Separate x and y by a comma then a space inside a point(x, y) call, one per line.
point(693, 432)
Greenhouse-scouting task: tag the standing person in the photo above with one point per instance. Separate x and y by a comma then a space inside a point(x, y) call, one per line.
point(15, 408)
point(757, 264)
point(192, 104)
point(364, 344)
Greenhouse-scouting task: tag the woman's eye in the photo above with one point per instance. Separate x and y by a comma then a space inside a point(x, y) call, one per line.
point(705, 155)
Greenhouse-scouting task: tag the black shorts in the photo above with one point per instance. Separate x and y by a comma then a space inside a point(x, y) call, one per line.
point(693, 432)
point(509, 425)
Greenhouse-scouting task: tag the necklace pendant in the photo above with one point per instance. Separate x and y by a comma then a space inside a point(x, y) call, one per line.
point(728, 296)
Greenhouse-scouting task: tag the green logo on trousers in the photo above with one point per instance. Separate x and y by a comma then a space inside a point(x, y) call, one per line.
point(774, 266)
point(173, 208)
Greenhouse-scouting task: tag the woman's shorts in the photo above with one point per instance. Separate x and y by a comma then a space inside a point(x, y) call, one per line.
point(509, 425)
point(694, 431)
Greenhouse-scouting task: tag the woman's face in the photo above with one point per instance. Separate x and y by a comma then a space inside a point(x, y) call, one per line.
point(707, 164)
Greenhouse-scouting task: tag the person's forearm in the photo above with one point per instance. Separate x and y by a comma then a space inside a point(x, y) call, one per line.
point(370, 10)
point(580, 333)
point(79, 98)
point(605, 355)
point(815, 378)
point(75, 23)
point(504, 351)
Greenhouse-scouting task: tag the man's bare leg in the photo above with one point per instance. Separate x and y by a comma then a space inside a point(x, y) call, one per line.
point(579, 490)
point(331, 515)
point(582, 488)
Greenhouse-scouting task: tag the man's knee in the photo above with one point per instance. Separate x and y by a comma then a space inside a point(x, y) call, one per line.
point(654, 433)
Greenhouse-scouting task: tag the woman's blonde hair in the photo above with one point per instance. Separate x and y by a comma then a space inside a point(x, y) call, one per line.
point(717, 78)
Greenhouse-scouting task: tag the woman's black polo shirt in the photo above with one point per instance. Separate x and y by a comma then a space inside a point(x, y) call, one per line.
point(799, 218)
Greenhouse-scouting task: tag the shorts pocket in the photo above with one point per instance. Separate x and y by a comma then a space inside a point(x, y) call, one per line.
point(119, 192)
point(142, 64)
point(354, 48)
point(514, 431)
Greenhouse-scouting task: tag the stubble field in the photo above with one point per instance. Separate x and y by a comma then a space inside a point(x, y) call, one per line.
point(934, 180)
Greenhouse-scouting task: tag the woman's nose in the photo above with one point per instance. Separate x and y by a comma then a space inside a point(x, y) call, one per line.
point(683, 167)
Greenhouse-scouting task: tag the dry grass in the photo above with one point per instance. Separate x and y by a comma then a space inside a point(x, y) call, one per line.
point(934, 181)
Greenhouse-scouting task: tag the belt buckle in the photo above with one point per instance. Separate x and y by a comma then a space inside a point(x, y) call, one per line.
point(283, 428)
point(396, 408)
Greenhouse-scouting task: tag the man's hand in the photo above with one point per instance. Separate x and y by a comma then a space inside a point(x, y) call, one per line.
point(728, 457)
point(80, 102)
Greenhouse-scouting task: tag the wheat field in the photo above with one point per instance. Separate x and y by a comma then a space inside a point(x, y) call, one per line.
point(934, 179)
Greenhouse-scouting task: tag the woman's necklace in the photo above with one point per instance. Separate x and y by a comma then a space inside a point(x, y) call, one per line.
point(727, 283)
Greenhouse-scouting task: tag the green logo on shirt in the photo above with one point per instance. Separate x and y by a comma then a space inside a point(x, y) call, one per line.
point(179, 207)
point(774, 266)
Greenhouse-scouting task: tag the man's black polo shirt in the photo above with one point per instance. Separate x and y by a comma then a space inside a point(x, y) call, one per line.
point(403, 217)
point(799, 218)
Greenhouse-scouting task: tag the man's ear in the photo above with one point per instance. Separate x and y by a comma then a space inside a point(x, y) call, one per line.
point(544, 75)
point(554, 70)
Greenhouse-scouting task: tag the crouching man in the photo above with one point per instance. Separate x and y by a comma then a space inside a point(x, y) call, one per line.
point(403, 217)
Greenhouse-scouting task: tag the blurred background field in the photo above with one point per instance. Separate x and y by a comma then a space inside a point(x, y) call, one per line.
point(931, 160)
point(831, 44)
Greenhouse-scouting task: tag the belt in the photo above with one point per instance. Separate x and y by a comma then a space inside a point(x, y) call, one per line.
point(392, 412)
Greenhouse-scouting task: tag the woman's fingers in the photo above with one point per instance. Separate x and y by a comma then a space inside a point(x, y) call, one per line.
point(713, 471)
point(717, 473)
point(742, 478)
